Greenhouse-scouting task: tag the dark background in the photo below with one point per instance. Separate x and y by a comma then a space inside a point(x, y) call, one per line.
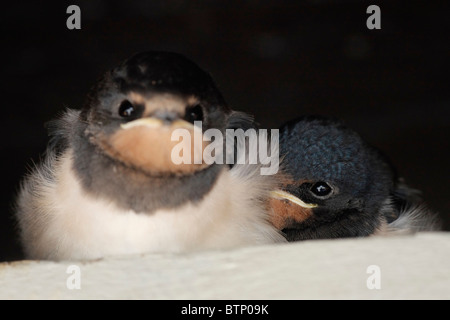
point(274, 59)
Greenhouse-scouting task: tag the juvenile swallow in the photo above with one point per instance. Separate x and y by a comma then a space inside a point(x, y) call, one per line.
point(336, 185)
point(108, 185)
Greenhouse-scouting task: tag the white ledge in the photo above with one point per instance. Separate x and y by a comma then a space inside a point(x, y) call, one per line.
point(411, 267)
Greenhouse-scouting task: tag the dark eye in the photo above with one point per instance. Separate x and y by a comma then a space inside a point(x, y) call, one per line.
point(194, 113)
point(321, 189)
point(126, 109)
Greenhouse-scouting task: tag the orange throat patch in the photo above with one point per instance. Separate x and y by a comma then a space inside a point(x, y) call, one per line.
point(150, 149)
point(285, 212)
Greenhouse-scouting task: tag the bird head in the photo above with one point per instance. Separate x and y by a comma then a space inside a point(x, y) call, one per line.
point(335, 184)
point(124, 139)
point(134, 109)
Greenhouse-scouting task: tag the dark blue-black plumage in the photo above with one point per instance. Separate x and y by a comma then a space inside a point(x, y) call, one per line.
point(354, 189)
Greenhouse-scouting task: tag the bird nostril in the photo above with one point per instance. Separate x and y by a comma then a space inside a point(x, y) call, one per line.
point(165, 115)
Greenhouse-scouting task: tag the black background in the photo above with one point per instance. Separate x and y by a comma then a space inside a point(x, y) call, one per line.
point(274, 59)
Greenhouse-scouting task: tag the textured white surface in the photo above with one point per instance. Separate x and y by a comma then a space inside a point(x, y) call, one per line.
point(412, 267)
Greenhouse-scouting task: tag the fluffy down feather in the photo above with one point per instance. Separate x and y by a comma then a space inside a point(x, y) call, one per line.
point(58, 220)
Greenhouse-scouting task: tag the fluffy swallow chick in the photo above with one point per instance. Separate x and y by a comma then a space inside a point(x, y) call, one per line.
point(338, 186)
point(108, 185)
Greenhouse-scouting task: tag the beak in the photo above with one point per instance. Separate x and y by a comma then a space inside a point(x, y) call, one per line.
point(279, 194)
point(153, 122)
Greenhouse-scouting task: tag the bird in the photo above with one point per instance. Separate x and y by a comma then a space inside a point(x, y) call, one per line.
point(108, 185)
point(336, 185)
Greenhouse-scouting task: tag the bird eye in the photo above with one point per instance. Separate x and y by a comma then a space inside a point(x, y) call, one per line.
point(126, 109)
point(194, 113)
point(321, 189)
